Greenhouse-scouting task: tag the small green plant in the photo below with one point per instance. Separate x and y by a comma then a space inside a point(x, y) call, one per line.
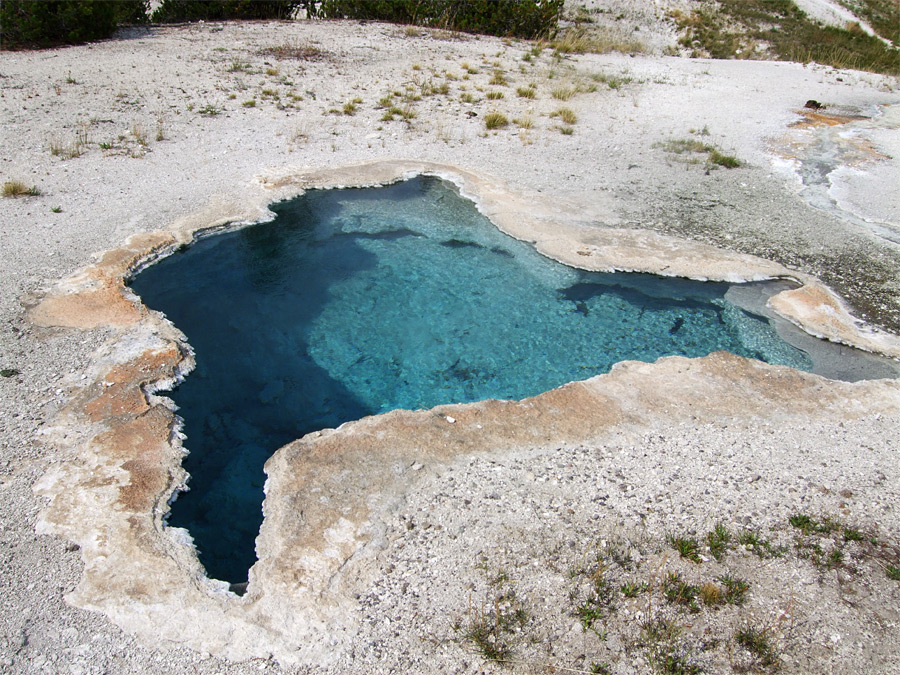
point(757, 642)
point(718, 540)
point(631, 589)
point(349, 108)
point(495, 120)
point(666, 653)
point(9, 372)
point(893, 572)
point(494, 95)
point(735, 589)
point(249, 104)
point(761, 547)
point(498, 79)
point(563, 93)
point(728, 161)
point(679, 592)
point(238, 67)
point(386, 101)
point(467, 98)
point(687, 547)
point(16, 188)
point(566, 131)
point(209, 110)
point(56, 209)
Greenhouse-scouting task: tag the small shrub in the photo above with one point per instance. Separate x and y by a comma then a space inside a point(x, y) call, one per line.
point(519, 18)
point(175, 11)
point(16, 188)
point(249, 104)
point(29, 24)
point(495, 120)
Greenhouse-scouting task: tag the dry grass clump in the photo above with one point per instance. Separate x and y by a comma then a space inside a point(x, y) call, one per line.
point(527, 92)
point(495, 120)
point(293, 51)
point(581, 40)
point(566, 115)
point(16, 188)
point(563, 93)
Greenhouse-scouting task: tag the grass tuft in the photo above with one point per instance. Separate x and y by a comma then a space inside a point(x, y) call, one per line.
point(495, 120)
point(526, 92)
point(563, 93)
point(16, 188)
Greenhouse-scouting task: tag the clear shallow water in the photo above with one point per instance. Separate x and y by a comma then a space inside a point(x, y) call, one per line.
point(356, 302)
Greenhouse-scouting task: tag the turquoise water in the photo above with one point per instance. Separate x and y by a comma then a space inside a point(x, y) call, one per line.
point(355, 302)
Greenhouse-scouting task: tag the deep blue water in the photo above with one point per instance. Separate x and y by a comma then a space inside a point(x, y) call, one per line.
point(356, 302)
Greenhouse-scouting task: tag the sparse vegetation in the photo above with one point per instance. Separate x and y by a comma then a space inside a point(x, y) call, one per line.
point(778, 29)
point(581, 40)
point(566, 115)
point(527, 92)
point(563, 93)
point(75, 147)
point(498, 79)
point(495, 120)
point(687, 547)
point(16, 188)
point(290, 50)
point(713, 155)
point(494, 95)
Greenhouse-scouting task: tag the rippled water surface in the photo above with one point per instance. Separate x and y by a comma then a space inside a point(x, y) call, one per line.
point(356, 302)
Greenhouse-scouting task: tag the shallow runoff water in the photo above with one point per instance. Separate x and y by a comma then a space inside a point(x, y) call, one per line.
point(358, 301)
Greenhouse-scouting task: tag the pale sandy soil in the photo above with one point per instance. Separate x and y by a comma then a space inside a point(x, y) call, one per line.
point(166, 133)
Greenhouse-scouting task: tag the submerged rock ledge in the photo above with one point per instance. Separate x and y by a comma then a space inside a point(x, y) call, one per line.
point(330, 494)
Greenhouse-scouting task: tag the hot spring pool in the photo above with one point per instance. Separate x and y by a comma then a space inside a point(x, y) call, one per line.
point(358, 301)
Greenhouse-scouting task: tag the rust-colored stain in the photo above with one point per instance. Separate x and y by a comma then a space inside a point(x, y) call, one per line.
point(88, 309)
point(121, 391)
point(141, 447)
point(812, 119)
